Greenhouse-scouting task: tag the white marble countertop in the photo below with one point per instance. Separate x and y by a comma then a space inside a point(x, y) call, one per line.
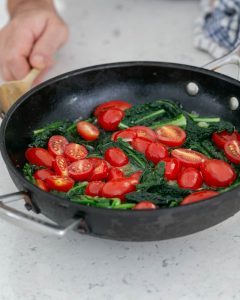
point(201, 266)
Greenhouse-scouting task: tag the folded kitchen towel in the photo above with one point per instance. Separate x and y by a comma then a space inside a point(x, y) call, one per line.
point(218, 30)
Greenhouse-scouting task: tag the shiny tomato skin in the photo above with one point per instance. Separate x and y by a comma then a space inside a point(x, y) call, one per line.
point(145, 133)
point(156, 152)
point(39, 157)
point(116, 157)
point(100, 169)
point(74, 152)
point(61, 184)
point(127, 135)
point(57, 144)
point(87, 131)
point(110, 119)
point(171, 135)
point(81, 170)
point(94, 188)
point(120, 104)
point(140, 144)
point(199, 196)
point(190, 178)
point(144, 205)
point(188, 157)
point(220, 138)
point(217, 173)
point(172, 168)
point(43, 174)
point(115, 173)
point(42, 185)
point(232, 151)
point(135, 177)
point(117, 188)
point(60, 166)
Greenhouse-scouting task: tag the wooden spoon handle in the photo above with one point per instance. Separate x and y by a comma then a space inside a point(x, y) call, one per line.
point(31, 76)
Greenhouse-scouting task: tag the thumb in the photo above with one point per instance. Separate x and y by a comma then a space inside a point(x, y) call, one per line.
point(48, 43)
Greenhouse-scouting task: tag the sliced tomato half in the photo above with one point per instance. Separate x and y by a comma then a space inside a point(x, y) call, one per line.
point(221, 138)
point(39, 157)
point(172, 168)
point(190, 178)
point(87, 131)
point(232, 151)
point(74, 152)
point(171, 135)
point(42, 185)
point(81, 170)
point(100, 169)
point(61, 184)
point(127, 135)
point(110, 119)
point(94, 188)
point(60, 166)
point(156, 152)
point(120, 104)
point(116, 157)
point(57, 144)
point(188, 157)
point(144, 205)
point(145, 132)
point(199, 196)
point(140, 144)
point(43, 174)
point(118, 188)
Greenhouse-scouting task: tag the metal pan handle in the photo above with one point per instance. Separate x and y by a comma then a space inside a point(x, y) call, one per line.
point(18, 217)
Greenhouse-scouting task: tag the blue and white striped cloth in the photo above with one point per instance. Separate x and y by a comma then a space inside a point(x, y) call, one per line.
point(218, 30)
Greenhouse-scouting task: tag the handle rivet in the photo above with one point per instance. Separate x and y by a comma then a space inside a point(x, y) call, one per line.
point(234, 103)
point(192, 89)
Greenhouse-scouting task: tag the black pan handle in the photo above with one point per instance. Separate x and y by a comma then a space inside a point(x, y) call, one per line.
point(28, 221)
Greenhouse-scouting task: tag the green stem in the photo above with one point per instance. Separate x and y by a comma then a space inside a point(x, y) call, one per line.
point(180, 121)
point(150, 116)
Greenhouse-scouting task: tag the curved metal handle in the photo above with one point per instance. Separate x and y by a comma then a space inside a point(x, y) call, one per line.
point(18, 217)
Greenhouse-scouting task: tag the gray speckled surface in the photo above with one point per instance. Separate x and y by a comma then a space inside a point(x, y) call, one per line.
point(201, 266)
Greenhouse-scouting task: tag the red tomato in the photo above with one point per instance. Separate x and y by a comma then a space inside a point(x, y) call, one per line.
point(94, 188)
point(217, 173)
point(190, 178)
point(39, 157)
point(113, 137)
point(172, 168)
point(110, 119)
point(220, 138)
point(120, 104)
point(61, 184)
point(80, 170)
point(117, 188)
point(116, 157)
point(42, 185)
point(60, 166)
point(115, 173)
point(171, 135)
point(188, 157)
point(156, 152)
point(127, 135)
point(140, 144)
point(198, 196)
point(57, 144)
point(100, 171)
point(43, 174)
point(135, 177)
point(74, 152)
point(144, 205)
point(145, 132)
point(87, 131)
point(232, 151)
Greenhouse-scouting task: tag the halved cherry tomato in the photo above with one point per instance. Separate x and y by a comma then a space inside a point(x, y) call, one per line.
point(144, 205)
point(115, 173)
point(144, 132)
point(60, 166)
point(116, 157)
point(42, 185)
point(199, 196)
point(117, 188)
point(120, 104)
point(39, 157)
point(220, 138)
point(188, 157)
point(156, 152)
point(81, 170)
point(57, 144)
point(74, 152)
point(94, 188)
point(217, 173)
point(140, 144)
point(88, 131)
point(43, 174)
point(110, 119)
point(100, 171)
point(135, 177)
point(61, 184)
point(172, 168)
point(190, 178)
point(127, 135)
point(171, 135)
point(232, 151)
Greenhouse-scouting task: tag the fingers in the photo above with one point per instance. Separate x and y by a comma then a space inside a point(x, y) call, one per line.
point(54, 36)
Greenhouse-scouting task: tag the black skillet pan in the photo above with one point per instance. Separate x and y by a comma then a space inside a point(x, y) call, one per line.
point(76, 93)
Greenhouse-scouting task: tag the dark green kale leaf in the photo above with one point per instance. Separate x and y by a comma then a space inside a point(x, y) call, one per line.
point(29, 170)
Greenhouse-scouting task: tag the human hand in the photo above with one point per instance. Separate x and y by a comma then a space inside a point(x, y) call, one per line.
point(31, 38)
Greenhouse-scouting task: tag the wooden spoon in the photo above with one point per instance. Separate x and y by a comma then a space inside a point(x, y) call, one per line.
point(11, 91)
